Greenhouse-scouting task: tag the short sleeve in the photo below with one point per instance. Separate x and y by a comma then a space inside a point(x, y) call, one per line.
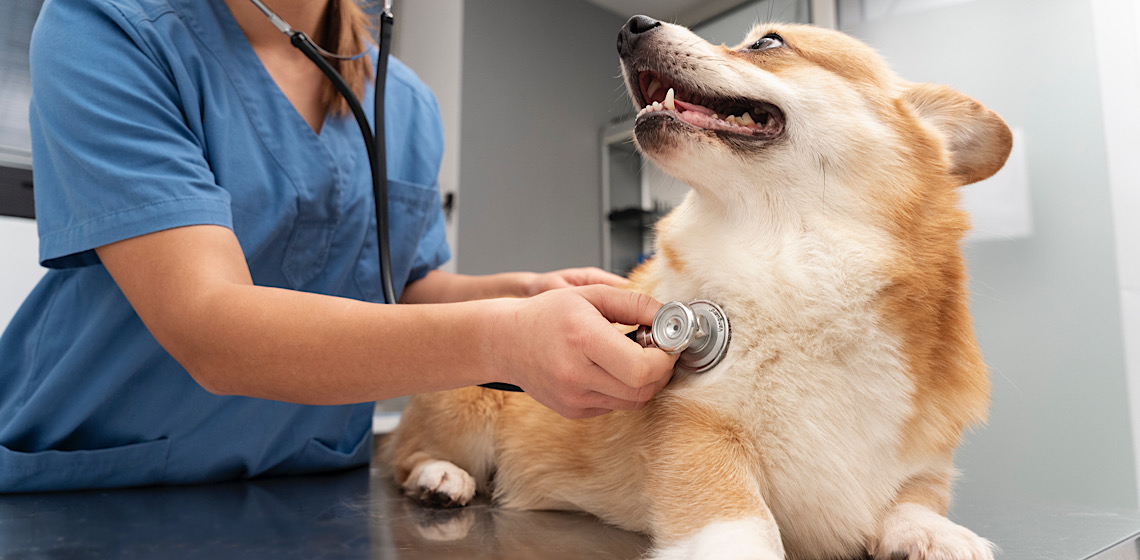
point(418, 130)
point(113, 153)
point(432, 251)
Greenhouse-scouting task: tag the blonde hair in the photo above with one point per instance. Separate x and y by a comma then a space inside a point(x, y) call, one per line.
point(344, 31)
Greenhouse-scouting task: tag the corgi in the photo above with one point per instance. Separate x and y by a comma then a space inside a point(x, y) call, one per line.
point(824, 219)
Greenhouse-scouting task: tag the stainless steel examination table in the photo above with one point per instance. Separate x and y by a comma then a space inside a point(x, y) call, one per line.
point(360, 514)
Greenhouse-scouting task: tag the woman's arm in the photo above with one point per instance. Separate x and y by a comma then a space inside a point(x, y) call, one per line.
point(193, 290)
point(442, 287)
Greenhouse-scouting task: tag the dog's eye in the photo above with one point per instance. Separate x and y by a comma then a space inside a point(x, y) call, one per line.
point(769, 41)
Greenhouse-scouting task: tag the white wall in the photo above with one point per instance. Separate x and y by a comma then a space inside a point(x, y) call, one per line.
point(19, 264)
point(428, 37)
point(730, 27)
point(1048, 306)
point(1117, 36)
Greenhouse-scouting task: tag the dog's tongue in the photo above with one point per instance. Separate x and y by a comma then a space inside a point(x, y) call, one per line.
point(703, 117)
point(686, 107)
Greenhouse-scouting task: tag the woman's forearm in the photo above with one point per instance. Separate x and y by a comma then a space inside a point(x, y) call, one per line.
point(314, 349)
point(442, 287)
point(439, 286)
point(193, 290)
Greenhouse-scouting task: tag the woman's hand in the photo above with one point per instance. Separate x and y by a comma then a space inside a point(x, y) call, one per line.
point(562, 349)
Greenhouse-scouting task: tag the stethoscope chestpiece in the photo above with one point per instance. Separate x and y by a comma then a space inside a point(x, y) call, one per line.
point(710, 345)
point(699, 331)
point(674, 327)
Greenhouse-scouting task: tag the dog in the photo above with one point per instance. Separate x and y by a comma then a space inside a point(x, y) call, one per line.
point(824, 220)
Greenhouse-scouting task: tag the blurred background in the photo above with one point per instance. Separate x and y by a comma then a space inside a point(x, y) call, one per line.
point(541, 175)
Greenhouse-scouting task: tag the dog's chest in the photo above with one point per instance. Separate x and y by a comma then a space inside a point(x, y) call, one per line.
point(811, 372)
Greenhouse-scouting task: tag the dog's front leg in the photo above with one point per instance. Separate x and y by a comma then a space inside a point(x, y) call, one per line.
point(704, 492)
point(916, 527)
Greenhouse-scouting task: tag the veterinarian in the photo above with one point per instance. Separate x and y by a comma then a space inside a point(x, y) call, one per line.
point(204, 208)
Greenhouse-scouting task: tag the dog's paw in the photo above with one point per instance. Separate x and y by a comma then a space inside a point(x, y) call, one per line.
point(440, 484)
point(742, 539)
point(913, 532)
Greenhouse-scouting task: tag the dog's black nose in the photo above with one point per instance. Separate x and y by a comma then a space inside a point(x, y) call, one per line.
point(632, 31)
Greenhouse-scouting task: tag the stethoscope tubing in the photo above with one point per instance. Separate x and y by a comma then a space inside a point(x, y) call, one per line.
point(379, 159)
point(374, 140)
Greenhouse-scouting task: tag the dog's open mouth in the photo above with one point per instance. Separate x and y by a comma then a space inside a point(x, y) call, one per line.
point(758, 120)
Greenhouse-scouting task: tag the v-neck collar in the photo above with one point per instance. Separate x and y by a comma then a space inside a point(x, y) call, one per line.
point(262, 97)
point(307, 158)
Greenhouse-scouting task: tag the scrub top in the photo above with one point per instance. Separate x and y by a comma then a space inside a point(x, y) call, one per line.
point(154, 114)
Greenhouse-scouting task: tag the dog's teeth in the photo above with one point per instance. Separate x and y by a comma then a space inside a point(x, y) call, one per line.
point(668, 104)
point(657, 106)
point(653, 86)
point(730, 119)
point(746, 119)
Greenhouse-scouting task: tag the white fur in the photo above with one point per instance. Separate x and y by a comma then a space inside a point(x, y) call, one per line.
point(450, 528)
point(921, 534)
point(744, 539)
point(442, 477)
point(832, 394)
point(797, 259)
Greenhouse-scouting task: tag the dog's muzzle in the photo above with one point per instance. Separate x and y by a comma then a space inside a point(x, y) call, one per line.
point(633, 30)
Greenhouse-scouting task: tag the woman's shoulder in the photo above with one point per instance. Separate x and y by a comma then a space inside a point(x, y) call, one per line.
point(77, 12)
point(402, 76)
point(102, 25)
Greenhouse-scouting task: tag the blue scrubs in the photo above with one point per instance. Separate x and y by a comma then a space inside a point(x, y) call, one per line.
point(153, 114)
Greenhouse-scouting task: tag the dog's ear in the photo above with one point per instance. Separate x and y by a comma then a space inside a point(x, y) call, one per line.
point(978, 139)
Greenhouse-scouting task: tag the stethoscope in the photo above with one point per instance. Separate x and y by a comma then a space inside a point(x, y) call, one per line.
point(373, 139)
point(698, 331)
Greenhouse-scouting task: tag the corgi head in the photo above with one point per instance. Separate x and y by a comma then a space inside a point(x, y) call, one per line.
point(800, 129)
point(801, 115)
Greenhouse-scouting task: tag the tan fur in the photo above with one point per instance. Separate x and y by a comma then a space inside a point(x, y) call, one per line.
point(691, 437)
point(928, 489)
point(829, 428)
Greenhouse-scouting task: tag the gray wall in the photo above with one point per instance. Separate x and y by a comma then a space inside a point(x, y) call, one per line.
point(540, 80)
point(1047, 307)
point(731, 27)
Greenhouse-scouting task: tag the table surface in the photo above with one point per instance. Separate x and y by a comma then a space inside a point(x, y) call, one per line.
point(360, 514)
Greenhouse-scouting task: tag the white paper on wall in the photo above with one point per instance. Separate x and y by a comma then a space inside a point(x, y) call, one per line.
point(853, 12)
point(1000, 206)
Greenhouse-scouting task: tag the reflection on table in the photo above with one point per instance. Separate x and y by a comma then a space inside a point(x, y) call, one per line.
point(360, 514)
